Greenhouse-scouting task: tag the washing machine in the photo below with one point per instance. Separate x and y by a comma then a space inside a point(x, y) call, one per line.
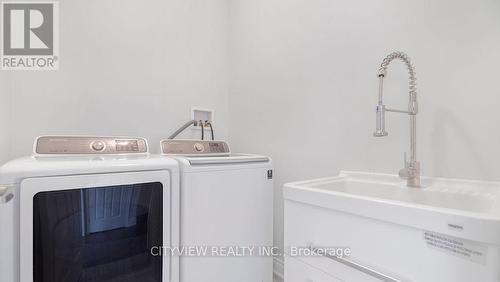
point(226, 212)
point(89, 209)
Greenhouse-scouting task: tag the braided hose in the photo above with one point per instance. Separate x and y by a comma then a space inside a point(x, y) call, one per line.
point(382, 73)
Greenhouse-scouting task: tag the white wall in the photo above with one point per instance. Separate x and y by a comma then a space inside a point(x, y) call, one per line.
point(304, 86)
point(127, 68)
point(4, 114)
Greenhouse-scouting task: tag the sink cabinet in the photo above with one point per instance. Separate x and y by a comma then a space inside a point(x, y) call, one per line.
point(388, 240)
point(301, 271)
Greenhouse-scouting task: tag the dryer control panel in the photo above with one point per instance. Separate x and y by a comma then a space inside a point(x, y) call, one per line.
point(86, 145)
point(195, 148)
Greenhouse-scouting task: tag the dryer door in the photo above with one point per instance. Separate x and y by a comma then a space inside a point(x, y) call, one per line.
point(96, 227)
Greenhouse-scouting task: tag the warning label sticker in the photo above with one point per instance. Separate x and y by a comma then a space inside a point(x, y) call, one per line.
point(465, 249)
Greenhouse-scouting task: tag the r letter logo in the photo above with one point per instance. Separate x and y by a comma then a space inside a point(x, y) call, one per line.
point(30, 36)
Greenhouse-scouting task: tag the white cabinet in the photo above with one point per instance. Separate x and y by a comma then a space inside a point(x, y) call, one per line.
point(298, 271)
point(307, 225)
point(323, 269)
point(446, 232)
point(396, 251)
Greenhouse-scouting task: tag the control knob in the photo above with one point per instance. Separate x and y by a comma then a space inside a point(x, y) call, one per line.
point(198, 147)
point(98, 146)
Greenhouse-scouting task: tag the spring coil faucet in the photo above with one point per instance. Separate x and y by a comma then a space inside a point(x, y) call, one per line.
point(411, 170)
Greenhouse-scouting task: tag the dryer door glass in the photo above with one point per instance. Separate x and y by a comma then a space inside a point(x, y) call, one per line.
point(98, 234)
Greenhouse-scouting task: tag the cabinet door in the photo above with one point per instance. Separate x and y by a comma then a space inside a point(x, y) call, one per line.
point(298, 271)
point(343, 272)
point(322, 269)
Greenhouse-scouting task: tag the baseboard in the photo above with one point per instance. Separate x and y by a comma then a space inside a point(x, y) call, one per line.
point(278, 269)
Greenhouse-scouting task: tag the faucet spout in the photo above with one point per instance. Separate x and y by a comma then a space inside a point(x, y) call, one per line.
point(411, 170)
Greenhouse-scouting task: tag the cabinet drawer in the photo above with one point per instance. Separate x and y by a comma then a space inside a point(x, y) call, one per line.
point(349, 271)
point(298, 271)
point(376, 247)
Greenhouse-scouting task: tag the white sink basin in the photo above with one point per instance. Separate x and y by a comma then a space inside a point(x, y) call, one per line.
point(450, 206)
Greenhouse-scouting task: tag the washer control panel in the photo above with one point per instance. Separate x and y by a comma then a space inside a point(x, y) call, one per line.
point(194, 147)
point(89, 145)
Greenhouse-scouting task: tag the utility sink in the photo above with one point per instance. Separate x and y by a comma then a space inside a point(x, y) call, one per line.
point(446, 231)
point(457, 207)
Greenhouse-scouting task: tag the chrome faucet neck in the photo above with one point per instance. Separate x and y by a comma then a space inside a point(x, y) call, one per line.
point(411, 170)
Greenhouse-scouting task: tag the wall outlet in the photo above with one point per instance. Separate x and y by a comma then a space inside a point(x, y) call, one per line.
point(203, 114)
